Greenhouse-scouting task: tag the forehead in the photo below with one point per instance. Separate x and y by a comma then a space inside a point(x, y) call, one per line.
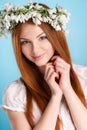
point(30, 30)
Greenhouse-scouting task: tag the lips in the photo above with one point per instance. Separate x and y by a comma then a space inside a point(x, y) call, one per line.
point(39, 57)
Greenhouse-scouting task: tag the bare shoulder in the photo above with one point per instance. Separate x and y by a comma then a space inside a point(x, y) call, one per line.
point(18, 120)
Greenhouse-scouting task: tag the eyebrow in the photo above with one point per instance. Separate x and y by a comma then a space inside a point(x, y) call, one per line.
point(36, 36)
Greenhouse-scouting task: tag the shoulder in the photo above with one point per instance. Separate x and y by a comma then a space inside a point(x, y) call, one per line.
point(81, 72)
point(14, 96)
point(15, 88)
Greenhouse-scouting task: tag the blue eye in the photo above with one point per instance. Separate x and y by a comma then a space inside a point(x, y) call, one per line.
point(43, 37)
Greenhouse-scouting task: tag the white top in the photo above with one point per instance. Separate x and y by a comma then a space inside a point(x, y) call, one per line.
point(14, 98)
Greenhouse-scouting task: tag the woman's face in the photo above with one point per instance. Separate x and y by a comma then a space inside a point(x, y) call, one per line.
point(35, 45)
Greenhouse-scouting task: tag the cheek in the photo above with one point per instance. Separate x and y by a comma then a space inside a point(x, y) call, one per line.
point(50, 48)
point(26, 52)
point(23, 50)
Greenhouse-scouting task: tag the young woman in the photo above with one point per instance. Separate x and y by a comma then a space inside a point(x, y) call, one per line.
point(48, 96)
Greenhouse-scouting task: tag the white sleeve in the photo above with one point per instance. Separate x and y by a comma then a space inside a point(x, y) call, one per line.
point(81, 72)
point(14, 97)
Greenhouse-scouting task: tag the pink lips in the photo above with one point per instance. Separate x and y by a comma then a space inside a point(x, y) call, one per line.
point(39, 57)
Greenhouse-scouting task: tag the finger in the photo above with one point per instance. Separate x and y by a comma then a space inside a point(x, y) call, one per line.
point(60, 62)
point(54, 58)
point(62, 71)
point(58, 58)
point(48, 69)
point(50, 64)
point(54, 77)
point(49, 72)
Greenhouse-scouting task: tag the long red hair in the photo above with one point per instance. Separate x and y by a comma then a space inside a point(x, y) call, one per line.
point(37, 88)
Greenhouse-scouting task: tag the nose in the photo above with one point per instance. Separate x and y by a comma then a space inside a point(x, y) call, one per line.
point(35, 48)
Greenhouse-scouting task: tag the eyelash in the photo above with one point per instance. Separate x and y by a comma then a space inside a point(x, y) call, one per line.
point(43, 37)
point(27, 42)
point(24, 42)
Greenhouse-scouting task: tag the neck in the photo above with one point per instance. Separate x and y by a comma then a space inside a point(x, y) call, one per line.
point(42, 69)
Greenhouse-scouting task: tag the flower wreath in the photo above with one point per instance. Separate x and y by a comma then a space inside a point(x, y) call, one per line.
point(10, 16)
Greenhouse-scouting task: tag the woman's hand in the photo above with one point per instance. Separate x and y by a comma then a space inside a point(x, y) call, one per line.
point(63, 71)
point(51, 78)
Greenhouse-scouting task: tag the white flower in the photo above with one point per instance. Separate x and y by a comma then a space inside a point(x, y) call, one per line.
point(52, 11)
point(36, 21)
point(63, 19)
point(39, 16)
point(15, 18)
point(64, 27)
point(37, 6)
point(8, 7)
point(58, 28)
point(31, 5)
point(44, 19)
point(27, 17)
point(60, 9)
point(22, 18)
point(7, 20)
point(11, 16)
point(33, 13)
point(53, 16)
point(18, 8)
point(7, 25)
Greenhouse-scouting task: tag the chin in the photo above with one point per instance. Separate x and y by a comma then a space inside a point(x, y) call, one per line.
point(43, 63)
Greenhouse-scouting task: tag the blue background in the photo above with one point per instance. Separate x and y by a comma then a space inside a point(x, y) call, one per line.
point(77, 41)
